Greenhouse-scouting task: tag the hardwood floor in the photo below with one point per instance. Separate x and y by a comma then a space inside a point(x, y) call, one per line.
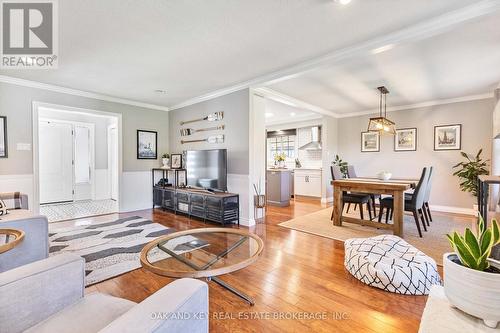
point(297, 274)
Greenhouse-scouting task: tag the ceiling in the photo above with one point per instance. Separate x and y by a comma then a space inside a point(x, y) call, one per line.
point(280, 113)
point(130, 48)
point(461, 62)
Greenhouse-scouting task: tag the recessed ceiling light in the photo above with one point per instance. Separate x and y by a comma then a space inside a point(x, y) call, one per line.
point(342, 2)
point(293, 114)
point(160, 91)
point(269, 114)
point(383, 49)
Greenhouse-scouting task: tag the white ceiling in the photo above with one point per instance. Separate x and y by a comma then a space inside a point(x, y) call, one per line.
point(128, 49)
point(280, 113)
point(461, 62)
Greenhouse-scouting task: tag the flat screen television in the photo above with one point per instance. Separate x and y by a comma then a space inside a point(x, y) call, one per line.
point(207, 169)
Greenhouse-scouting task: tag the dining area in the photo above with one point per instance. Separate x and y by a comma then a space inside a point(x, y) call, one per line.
point(386, 200)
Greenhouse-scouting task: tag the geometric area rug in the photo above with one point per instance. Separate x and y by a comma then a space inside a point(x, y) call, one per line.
point(110, 248)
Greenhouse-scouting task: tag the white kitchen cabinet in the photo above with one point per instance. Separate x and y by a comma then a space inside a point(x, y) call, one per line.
point(308, 182)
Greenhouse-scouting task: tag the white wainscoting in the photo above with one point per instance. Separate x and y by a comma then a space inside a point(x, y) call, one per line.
point(18, 183)
point(237, 183)
point(102, 185)
point(136, 191)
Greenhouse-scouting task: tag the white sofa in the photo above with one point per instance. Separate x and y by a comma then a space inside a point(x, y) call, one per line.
point(48, 296)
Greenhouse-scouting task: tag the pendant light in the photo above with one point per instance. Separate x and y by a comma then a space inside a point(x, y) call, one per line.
point(381, 124)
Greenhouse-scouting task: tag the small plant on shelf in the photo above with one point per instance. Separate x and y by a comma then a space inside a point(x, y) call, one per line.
point(474, 250)
point(469, 170)
point(341, 164)
point(166, 155)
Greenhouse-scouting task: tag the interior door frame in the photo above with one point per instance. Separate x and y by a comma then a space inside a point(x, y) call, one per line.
point(110, 171)
point(91, 128)
point(36, 105)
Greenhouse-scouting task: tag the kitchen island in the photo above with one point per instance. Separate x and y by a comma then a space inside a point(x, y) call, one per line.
point(279, 187)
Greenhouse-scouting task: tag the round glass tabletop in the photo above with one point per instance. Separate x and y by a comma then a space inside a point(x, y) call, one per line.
point(205, 252)
point(10, 238)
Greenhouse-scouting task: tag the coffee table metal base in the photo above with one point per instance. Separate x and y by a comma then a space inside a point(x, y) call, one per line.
point(213, 278)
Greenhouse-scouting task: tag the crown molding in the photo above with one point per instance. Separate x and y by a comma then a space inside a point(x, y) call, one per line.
point(293, 120)
point(76, 92)
point(422, 30)
point(420, 105)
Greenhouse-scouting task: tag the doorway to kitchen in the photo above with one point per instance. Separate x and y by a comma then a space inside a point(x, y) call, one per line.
point(77, 163)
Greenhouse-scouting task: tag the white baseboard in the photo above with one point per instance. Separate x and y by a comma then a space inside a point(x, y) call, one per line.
point(455, 210)
point(247, 222)
point(327, 200)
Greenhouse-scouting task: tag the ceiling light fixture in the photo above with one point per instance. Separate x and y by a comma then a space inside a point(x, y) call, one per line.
point(342, 2)
point(381, 124)
point(269, 114)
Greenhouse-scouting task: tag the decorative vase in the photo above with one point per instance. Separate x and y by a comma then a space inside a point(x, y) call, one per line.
point(165, 162)
point(474, 292)
point(384, 175)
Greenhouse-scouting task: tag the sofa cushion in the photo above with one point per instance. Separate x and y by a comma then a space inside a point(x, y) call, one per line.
point(92, 313)
point(16, 214)
point(389, 263)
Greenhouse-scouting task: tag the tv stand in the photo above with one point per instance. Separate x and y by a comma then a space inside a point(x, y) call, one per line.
point(219, 207)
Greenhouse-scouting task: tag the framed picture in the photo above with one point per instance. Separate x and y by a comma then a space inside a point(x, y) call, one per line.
point(448, 137)
point(370, 142)
point(181, 178)
point(3, 136)
point(176, 161)
point(405, 139)
point(147, 145)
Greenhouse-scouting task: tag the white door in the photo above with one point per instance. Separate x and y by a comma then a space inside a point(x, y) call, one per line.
point(113, 161)
point(56, 162)
point(84, 166)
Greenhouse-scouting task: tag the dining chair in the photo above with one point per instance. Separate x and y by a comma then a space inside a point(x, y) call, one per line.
point(351, 173)
point(413, 204)
point(425, 208)
point(354, 198)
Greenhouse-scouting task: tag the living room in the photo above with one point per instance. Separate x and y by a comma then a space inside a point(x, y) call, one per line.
point(138, 141)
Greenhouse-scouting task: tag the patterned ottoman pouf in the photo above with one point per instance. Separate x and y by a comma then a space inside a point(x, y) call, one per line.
point(389, 263)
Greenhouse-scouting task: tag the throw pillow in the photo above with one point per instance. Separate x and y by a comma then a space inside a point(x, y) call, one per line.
point(3, 208)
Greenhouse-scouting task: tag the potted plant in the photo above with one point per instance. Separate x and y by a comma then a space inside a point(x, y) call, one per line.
point(470, 282)
point(280, 159)
point(341, 164)
point(165, 160)
point(469, 170)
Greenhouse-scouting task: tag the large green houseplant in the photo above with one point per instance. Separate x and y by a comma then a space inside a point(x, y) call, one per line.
point(469, 170)
point(470, 283)
point(341, 164)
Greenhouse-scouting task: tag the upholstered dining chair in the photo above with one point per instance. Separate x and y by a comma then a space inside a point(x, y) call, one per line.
point(413, 204)
point(354, 198)
point(351, 173)
point(425, 208)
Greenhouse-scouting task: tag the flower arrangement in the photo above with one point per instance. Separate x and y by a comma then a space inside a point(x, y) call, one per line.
point(280, 157)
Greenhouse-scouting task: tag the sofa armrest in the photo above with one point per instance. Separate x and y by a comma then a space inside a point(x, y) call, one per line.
point(35, 245)
point(31, 293)
point(19, 199)
point(181, 306)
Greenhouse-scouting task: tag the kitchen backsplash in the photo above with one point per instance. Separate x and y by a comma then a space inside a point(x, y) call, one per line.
point(310, 159)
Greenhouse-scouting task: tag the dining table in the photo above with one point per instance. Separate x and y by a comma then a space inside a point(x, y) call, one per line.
point(369, 185)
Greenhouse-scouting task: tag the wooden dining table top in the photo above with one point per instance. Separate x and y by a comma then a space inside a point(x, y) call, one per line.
point(400, 183)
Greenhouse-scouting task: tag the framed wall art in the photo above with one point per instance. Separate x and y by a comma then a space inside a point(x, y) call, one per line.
point(370, 142)
point(405, 139)
point(147, 145)
point(448, 137)
point(3, 137)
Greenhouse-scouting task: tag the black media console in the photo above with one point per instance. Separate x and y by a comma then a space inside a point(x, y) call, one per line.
point(217, 207)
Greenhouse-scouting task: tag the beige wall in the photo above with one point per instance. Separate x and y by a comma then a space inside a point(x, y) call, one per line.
point(16, 104)
point(477, 131)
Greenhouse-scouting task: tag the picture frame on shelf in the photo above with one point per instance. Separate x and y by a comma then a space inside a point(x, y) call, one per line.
point(3, 137)
point(147, 145)
point(405, 139)
point(448, 137)
point(370, 142)
point(181, 178)
point(176, 161)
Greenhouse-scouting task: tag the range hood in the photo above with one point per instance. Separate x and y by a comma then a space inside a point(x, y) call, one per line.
point(315, 143)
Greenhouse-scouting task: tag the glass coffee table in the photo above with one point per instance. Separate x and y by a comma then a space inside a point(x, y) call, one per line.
point(10, 238)
point(203, 253)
